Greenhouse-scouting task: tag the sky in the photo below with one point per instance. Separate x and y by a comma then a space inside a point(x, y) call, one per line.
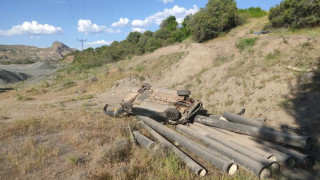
point(99, 22)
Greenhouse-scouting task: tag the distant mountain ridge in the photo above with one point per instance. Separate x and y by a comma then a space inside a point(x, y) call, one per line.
point(21, 54)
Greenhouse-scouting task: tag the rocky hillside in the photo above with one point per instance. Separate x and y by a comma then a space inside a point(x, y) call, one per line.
point(20, 54)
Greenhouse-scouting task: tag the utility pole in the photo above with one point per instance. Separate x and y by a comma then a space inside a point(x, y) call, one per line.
point(81, 40)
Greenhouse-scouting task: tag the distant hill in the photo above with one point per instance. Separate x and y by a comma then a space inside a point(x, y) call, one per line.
point(21, 54)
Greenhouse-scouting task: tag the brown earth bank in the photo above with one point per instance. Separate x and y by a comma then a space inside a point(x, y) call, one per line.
point(55, 129)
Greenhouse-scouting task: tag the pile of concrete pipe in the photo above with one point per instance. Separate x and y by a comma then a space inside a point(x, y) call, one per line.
point(227, 142)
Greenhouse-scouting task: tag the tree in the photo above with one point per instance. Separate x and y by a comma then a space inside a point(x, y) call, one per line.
point(296, 14)
point(162, 34)
point(170, 23)
point(216, 17)
point(133, 37)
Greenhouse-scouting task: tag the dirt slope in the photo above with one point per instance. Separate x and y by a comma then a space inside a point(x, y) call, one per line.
point(56, 129)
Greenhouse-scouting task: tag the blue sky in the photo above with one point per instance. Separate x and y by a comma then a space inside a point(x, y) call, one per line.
point(40, 22)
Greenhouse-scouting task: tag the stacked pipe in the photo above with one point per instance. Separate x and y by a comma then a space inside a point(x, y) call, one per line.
point(228, 141)
point(252, 133)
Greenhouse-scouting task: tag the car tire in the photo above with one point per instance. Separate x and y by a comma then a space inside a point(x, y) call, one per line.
point(146, 86)
point(172, 114)
point(127, 106)
point(183, 92)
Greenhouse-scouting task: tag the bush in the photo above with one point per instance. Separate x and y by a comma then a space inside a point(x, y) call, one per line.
point(253, 12)
point(216, 17)
point(296, 14)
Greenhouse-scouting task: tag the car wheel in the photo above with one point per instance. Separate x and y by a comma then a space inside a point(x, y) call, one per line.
point(172, 114)
point(146, 86)
point(183, 92)
point(127, 106)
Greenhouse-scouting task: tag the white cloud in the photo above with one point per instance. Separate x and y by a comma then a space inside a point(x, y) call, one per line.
point(98, 43)
point(141, 23)
point(166, 1)
point(157, 18)
point(123, 22)
point(34, 37)
point(87, 27)
point(140, 30)
point(31, 28)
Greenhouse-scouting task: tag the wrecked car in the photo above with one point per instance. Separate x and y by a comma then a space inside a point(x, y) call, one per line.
point(168, 106)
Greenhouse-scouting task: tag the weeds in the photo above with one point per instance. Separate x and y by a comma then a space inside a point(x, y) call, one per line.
point(80, 98)
point(261, 100)
point(142, 78)
point(187, 86)
point(19, 97)
point(4, 117)
point(68, 84)
point(139, 68)
point(73, 160)
point(285, 104)
point(273, 58)
point(228, 103)
point(246, 43)
point(221, 59)
point(306, 44)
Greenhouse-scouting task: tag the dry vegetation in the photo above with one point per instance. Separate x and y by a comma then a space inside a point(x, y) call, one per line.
point(56, 129)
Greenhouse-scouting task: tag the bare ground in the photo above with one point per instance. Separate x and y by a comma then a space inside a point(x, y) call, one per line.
point(56, 130)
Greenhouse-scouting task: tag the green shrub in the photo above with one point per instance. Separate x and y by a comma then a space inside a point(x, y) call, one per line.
point(19, 97)
point(296, 14)
point(253, 12)
point(246, 43)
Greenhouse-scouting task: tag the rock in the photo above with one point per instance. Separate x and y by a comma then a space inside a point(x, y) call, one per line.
point(92, 79)
point(307, 78)
point(82, 174)
point(61, 48)
point(116, 84)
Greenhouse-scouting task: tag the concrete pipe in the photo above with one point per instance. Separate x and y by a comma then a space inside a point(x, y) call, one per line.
point(143, 140)
point(257, 168)
point(220, 138)
point(241, 119)
point(226, 165)
point(190, 163)
point(281, 157)
point(258, 151)
point(264, 133)
point(303, 160)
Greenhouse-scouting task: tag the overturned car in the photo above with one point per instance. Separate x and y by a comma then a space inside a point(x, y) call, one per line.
point(168, 106)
